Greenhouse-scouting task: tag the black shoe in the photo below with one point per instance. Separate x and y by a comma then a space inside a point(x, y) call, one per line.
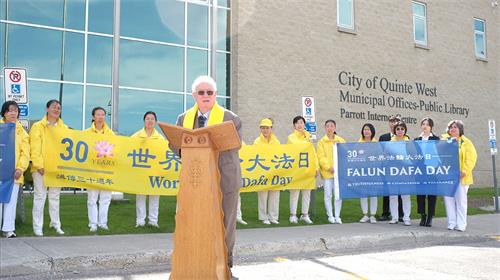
point(423, 220)
point(383, 218)
point(428, 223)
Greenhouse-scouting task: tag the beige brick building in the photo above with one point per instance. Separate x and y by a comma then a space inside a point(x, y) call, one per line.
point(283, 50)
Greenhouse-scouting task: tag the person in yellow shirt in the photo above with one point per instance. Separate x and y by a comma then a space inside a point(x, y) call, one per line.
point(147, 132)
point(269, 201)
point(98, 215)
point(52, 120)
point(368, 135)
point(399, 134)
point(10, 114)
point(325, 157)
point(300, 135)
point(456, 206)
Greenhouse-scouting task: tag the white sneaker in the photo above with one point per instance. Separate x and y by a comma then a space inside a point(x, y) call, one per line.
point(407, 223)
point(451, 227)
point(104, 227)
point(153, 224)
point(373, 220)
point(93, 228)
point(38, 232)
point(306, 219)
point(274, 222)
point(393, 221)
point(293, 219)
point(266, 222)
point(241, 221)
point(139, 225)
point(10, 234)
point(59, 231)
point(338, 220)
point(332, 220)
point(364, 219)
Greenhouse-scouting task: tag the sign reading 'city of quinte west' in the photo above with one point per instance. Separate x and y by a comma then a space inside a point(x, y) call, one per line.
point(391, 93)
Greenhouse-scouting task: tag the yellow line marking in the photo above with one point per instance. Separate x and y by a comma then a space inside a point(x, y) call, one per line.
point(279, 259)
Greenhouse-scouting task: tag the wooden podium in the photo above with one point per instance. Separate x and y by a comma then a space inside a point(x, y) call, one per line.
point(200, 250)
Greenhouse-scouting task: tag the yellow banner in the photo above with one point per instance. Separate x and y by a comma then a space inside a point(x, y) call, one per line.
point(80, 159)
point(131, 165)
point(278, 167)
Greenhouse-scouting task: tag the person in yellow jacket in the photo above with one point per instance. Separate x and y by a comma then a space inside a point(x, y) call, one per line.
point(10, 114)
point(399, 134)
point(98, 215)
point(51, 120)
point(325, 156)
point(368, 135)
point(456, 206)
point(268, 201)
point(300, 135)
point(147, 132)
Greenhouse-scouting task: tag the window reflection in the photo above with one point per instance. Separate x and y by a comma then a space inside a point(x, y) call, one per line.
point(151, 66)
point(223, 74)
point(197, 64)
point(97, 97)
point(72, 105)
point(479, 45)
point(345, 13)
point(223, 32)
point(75, 14)
point(73, 57)
point(133, 105)
point(197, 25)
point(42, 61)
point(101, 16)
point(37, 12)
point(164, 21)
point(99, 59)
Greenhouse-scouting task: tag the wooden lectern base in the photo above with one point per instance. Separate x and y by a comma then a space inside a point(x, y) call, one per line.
point(200, 251)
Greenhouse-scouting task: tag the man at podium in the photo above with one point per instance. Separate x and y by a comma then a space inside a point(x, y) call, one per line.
point(207, 112)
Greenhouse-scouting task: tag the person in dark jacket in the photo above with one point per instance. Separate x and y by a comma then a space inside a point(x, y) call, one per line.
point(426, 219)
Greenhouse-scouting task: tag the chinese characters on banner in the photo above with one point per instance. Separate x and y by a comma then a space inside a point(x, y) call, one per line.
point(146, 166)
point(391, 168)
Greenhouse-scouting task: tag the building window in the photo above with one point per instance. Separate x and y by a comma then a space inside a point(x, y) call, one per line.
point(480, 38)
point(420, 23)
point(345, 14)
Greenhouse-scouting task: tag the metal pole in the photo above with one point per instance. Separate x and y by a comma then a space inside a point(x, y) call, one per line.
point(115, 67)
point(495, 185)
point(61, 85)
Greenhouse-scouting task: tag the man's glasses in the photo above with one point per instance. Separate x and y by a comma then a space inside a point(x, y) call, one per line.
point(208, 92)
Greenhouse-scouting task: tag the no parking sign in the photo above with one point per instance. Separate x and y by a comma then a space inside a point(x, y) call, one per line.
point(15, 86)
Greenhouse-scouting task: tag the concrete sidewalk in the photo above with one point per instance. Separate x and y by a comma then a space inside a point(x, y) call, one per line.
point(42, 255)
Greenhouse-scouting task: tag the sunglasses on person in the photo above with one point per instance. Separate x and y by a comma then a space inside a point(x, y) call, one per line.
point(208, 92)
point(400, 128)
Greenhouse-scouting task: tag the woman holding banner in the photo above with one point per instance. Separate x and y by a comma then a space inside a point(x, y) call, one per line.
point(147, 132)
point(426, 125)
point(10, 114)
point(269, 201)
point(368, 135)
point(52, 120)
point(325, 158)
point(300, 135)
point(98, 215)
point(456, 207)
point(399, 131)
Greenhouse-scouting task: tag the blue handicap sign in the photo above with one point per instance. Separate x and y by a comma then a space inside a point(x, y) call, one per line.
point(308, 111)
point(15, 88)
point(311, 127)
point(493, 143)
point(23, 110)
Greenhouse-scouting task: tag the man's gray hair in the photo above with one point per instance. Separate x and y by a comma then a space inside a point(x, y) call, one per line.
point(203, 79)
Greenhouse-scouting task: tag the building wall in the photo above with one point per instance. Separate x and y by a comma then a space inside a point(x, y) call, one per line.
point(283, 50)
